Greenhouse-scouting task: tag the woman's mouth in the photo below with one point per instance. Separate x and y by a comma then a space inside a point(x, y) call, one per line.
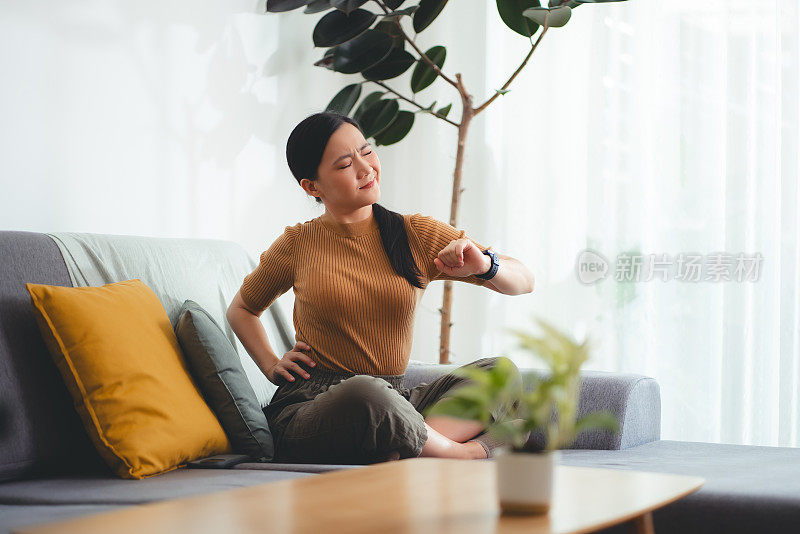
point(369, 185)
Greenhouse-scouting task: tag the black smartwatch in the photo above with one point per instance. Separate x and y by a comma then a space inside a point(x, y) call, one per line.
point(493, 269)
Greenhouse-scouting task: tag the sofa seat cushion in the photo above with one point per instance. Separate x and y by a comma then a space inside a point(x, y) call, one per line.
point(95, 490)
point(747, 488)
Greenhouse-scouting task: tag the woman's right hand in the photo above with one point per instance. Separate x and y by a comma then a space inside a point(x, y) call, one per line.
point(287, 364)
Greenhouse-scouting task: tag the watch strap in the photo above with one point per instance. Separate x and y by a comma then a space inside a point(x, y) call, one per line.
point(494, 267)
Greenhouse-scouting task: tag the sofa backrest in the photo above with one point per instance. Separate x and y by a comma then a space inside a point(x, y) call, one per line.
point(40, 431)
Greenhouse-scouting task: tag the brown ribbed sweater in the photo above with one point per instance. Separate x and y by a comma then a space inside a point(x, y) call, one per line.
point(350, 306)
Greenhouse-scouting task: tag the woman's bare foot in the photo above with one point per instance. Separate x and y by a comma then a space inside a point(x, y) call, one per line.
point(476, 449)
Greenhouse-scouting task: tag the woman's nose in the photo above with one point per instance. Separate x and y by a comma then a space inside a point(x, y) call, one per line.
point(364, 169)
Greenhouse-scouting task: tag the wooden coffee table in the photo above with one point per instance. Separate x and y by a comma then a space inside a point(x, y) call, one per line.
point(406, 496)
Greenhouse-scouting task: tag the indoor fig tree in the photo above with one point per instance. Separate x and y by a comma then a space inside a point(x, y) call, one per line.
point(376, 40)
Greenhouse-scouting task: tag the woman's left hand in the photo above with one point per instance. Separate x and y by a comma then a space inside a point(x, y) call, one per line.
point(462, 258)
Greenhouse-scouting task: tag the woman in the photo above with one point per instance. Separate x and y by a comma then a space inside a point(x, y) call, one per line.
point(358, 271)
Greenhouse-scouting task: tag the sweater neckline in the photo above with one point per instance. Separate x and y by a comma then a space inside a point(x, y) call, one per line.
point(353, 229)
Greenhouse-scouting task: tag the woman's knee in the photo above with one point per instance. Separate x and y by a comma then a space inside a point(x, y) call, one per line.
point(363, 391)
point(391, 422)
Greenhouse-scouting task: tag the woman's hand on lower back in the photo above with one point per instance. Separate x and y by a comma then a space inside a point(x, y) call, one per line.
point(288, 363)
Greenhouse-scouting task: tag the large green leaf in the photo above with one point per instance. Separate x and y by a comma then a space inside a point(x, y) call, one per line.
point(511, 13)
point(347, 6)
point(397, 130)
point(277, 6)
point(555, 17)
point(367, 102)
point(427, 12)
point(317, 6)
point(378, 116)
point(423, 74)
point(572, 4)
point(336, 27)
point(396, 63)
point(345, 99)
point(393, 4)
point(362, 52)
point(392, 30)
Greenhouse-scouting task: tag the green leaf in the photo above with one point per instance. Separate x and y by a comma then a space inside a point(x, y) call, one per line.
point(476, 374)
point(378, 116)
point(397, 130)
point(401, 12)
point(442, 112)
point(393, 4)
point(392, 30)
point(572, 4)
point(337, 28)
point(472, 392)
point(423, 74)
point(502, 91)
point(396, 63)
point(428, 109)
point(317, 6)
point(511, 13)
point(367, 102)
point(552, 18)
point(604, 419)
point(345, 99)
point(348, 6)
point(427, 12)
point(277, 6)
point(459, 408)
point(362, 52)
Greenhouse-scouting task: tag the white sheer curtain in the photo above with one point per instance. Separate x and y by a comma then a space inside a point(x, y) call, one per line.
point(661, 127)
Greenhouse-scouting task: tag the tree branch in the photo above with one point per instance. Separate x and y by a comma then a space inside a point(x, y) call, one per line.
point(522, 65)
point(412, 102)
point(425, 58)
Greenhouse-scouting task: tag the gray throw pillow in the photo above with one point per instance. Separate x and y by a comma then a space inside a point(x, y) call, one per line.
point(216, 368)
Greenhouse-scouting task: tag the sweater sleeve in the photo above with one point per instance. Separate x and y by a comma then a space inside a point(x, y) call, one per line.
point(433, 236)
point(274, 274)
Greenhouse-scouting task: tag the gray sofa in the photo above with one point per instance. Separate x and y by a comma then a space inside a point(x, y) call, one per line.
point(50, 471)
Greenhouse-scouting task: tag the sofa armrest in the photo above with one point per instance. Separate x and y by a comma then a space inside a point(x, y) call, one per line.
point(633, 398)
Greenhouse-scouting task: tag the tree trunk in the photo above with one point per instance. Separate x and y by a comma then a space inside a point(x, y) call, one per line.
point(447, 297)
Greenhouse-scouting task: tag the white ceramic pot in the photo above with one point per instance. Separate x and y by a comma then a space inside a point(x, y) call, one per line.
point(525, 480)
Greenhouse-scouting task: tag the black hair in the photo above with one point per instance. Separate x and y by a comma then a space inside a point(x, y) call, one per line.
point(304, 151)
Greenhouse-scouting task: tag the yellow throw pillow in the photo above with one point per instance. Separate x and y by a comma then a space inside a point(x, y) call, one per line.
point(120, 358)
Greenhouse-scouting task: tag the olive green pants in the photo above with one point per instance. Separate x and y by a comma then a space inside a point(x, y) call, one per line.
point(338, 418)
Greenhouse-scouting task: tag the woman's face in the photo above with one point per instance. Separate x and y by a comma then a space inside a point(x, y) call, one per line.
point(348, 163)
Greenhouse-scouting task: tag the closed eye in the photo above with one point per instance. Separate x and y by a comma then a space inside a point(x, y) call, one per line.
point(366, 154)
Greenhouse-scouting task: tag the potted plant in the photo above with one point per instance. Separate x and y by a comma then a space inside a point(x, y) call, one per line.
point(525, 469)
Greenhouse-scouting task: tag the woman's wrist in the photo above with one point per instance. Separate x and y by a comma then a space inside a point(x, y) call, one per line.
point(487, 264)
